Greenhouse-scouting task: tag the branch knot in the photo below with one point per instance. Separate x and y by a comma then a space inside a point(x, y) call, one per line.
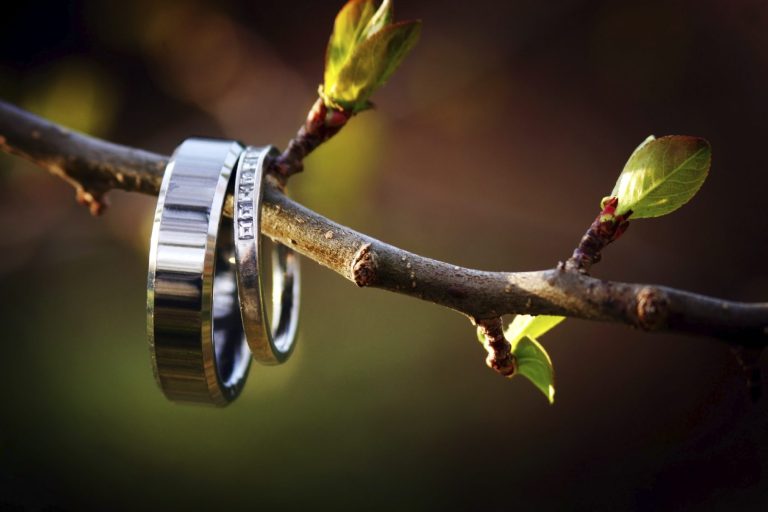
point(364, 266)
point(652, 308)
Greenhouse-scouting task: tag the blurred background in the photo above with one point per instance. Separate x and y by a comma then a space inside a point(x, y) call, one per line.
point(490, 148)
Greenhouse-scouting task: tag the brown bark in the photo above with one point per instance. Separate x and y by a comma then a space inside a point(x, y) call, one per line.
point(94, 166)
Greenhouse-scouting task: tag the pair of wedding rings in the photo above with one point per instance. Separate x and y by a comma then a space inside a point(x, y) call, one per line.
point(203, 264)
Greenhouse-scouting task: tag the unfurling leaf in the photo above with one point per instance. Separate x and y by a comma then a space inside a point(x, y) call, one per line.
point(533, 362)
point(363, 52)
point(383, 17)
point(531, 326)
point(662, 175)
point(348, 29)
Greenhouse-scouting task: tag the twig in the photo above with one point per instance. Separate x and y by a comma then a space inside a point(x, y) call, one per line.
point(500, 357)
point(606, 228)
point(94, 167)
point(321, 124)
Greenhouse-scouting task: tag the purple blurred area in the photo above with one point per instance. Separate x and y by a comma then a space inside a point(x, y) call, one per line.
point(490, 148)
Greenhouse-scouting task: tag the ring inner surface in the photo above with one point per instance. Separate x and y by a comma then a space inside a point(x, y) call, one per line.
point(230, 349)
point(283, 276)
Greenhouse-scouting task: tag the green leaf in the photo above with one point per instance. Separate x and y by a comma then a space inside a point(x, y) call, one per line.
point(534, 363)
point(662, 175)
point(531, 326)
point(372, 62)
point(364, 50)
point(348, 29)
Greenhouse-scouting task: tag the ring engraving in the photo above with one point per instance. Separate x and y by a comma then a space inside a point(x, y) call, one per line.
point(269, 343)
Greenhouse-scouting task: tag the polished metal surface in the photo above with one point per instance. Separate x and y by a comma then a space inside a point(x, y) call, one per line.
point(269, 345)
point(199, 353)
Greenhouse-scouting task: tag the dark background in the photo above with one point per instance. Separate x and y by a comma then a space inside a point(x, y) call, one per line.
point(490, 148)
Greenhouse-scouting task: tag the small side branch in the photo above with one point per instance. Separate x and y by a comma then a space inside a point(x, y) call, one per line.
point(606, 228)
point(500, 358)
point(321, 124)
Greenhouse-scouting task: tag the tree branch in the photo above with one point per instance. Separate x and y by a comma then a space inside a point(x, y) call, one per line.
point(91, 165)
point(94, 167)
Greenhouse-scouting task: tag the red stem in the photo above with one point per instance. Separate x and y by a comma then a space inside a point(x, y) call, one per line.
point(322, 123)
point(606, 228)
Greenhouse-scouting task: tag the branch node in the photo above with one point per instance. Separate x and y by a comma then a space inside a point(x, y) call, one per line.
point(364, 266)
point(652, 308)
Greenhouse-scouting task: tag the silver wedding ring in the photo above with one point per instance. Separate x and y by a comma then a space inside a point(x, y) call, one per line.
point(270, 344)
point(196, 337)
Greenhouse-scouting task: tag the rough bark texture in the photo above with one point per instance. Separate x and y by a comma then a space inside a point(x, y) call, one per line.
point(94, 167)
point(91, 165)
point(500, 358)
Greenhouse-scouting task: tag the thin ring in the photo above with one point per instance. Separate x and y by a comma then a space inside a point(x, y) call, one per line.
point(196, 337)
point(269, 345)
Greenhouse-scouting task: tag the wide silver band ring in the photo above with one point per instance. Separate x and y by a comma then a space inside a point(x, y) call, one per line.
point(196, 337)
point(269, 345)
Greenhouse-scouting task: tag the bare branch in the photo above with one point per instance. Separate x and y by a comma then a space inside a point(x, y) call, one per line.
point(91, 165)
point(94, 166)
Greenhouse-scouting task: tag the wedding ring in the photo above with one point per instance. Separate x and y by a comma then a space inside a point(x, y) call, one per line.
point(196, 337)
point(269, 345)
